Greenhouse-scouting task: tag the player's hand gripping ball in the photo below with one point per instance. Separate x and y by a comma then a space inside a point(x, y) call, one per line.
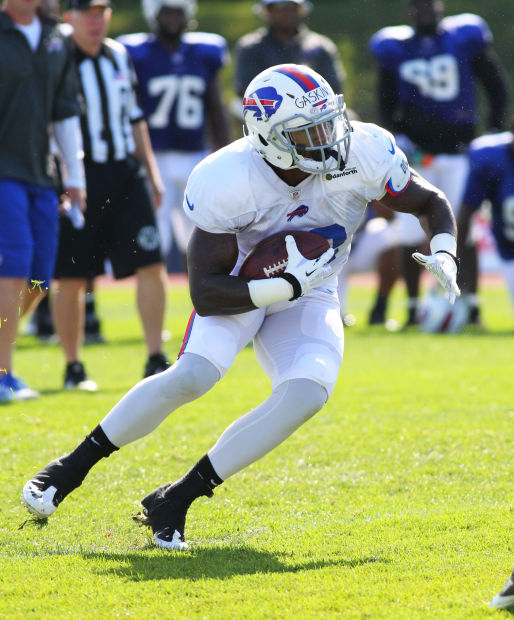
point(268, 258)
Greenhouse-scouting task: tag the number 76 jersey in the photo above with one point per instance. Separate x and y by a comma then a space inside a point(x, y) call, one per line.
point(435, 74)
point(174, 85)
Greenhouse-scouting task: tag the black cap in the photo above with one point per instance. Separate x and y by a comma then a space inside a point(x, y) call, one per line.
point(82, 5)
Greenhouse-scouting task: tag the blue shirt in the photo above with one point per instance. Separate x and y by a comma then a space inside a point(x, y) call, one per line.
point(434, 74)
point(491, 177)
point(174, 86)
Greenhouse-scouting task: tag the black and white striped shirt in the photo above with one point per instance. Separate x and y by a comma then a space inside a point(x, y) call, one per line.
point(109, 87)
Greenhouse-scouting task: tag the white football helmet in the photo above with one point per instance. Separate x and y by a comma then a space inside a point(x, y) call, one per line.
point(295, 120)
point(437, 316)
point(151, 8)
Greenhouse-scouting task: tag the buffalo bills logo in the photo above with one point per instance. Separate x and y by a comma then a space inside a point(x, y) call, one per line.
point(320, 105)
point(264, 102)
point(300, 212)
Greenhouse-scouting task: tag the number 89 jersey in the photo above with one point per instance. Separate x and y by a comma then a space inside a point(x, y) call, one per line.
point(174, 86)
point(435, 74)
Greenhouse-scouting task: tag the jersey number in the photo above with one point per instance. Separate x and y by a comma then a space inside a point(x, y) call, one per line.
point(437, 78)
point(335, 233)
point(186, 91)
point(508, 218)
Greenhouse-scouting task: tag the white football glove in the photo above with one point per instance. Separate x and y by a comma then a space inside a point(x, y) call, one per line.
point(302, 273)
point(444, 269)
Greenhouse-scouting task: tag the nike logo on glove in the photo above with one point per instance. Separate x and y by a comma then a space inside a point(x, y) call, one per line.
point(391, 150)
point(190, 204)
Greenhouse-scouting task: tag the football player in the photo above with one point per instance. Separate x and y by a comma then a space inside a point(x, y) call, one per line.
point(491, 177)
point(301, 166)
point(181, 99)
point(426, 97)
point(285, 38)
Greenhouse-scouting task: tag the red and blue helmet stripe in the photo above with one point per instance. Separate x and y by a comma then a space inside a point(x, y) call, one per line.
point(306, 81)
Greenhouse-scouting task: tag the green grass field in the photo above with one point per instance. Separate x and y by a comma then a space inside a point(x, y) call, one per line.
point(395, 501)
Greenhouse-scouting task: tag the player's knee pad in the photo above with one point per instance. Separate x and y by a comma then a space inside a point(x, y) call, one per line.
point(189, 377)
point(300, 399)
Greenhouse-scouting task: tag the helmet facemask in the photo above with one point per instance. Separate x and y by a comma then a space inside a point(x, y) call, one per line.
point(317, 144)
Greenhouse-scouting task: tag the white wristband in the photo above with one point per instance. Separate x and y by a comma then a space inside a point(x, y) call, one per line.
point(269, 291)
point(443, 242)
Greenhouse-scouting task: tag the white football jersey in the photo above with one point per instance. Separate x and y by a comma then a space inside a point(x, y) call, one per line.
point(235, 191)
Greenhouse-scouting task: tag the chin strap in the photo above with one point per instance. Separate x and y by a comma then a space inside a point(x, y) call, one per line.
point(335, 155)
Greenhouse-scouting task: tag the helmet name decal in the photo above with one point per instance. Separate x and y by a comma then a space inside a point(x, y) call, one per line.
point(264, 102)
point(316, 98)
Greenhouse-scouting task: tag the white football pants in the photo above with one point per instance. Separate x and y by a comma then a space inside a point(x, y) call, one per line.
point(300, 349)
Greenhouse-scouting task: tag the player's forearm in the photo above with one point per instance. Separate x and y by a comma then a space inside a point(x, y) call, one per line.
point(437, 217)
point(218, 295)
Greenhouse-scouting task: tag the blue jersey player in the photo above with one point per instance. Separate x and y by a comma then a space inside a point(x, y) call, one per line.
point(426, 96)
point(491, 177)
point(181, 98)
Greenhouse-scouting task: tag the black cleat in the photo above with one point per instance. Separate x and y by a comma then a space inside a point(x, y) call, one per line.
point(156, 363)
point(43, 493)
point(75, 378)
point(165, 510)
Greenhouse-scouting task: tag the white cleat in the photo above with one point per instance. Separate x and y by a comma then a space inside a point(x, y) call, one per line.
point(505, 598)
point(39, 503)
point(75, 378)
point(175, 544)
point(88, 385)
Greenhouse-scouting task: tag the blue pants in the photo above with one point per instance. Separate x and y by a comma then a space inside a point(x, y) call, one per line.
point(29, 227)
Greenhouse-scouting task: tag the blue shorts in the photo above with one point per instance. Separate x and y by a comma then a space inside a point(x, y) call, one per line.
point(29, 231)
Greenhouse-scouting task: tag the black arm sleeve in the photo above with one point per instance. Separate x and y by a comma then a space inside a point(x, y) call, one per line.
point(489, 71)
point(387, 98)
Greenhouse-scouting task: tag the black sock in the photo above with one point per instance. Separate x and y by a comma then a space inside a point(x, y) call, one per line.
point(90, 303)
point(95, 447)
point(201, 479)
point(380, 303)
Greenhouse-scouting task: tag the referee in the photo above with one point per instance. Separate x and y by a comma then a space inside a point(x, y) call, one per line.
point(119, 219)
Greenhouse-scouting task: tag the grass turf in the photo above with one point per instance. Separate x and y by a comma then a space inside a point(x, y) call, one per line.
point(395, 501)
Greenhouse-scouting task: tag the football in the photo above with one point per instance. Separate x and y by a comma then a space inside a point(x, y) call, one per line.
point(269, 257)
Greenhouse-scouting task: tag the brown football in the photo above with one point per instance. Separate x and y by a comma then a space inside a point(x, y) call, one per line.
point(269, 257)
